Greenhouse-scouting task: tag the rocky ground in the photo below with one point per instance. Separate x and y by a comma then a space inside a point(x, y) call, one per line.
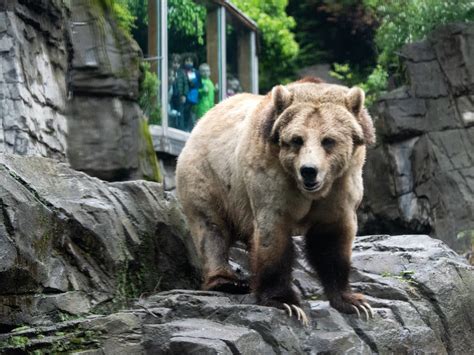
point(73, 250)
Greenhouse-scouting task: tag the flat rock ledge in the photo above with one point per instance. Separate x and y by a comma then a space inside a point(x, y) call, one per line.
point(420, 289)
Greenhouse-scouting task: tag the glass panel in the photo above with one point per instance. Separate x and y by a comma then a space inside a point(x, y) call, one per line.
point(191, 91)
point(238, 59)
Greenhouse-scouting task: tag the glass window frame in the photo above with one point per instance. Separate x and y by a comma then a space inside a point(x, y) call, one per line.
point(171, 140)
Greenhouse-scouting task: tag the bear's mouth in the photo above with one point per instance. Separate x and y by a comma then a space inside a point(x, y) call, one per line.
point(312, 186)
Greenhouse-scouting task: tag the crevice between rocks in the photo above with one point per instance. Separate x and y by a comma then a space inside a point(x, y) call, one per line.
point(364, 337)
point(445, 335)
point(6, 220)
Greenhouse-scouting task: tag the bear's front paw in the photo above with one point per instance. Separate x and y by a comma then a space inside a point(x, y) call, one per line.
point(349, 302)
point(290, 308)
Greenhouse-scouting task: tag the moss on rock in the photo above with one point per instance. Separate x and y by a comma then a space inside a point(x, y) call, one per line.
point(147, 157)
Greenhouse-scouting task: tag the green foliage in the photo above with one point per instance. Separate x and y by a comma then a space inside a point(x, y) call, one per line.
point(119, 9)
point(18, 341)
point(333, 31)
point(148, 100)
point(374, 85)
point(406, 21)
point(402, 22)
point(187, 18)
point(279, 47)
point(125, 18)
point(342, 72)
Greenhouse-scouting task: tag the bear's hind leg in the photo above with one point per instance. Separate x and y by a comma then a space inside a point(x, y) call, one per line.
point(213, 245)
point(329, 250)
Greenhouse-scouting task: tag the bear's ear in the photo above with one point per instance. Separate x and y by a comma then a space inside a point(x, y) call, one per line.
point(282, 98)
point(354, 100)
point(367, 126)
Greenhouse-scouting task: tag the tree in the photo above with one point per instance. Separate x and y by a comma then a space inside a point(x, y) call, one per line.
point(279, 48)
point(334, 31)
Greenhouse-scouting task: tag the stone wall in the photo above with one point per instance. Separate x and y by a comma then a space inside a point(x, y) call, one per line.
point(33, 66)
point(420, 176)
point(69, 87)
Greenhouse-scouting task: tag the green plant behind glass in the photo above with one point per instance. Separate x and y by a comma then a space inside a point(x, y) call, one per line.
point(279, 47)
point(148, 99)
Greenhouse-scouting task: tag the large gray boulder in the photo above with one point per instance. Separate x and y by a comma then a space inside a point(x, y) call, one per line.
point(104, 116)
point(420, 176)
point(70, 243)
point(420, 289)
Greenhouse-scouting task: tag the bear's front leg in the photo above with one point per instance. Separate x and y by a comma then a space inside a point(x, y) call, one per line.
point(272, 256)
point(329, 250)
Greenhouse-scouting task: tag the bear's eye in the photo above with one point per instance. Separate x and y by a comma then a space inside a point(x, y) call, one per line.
point(328, 143)
point(297, 141)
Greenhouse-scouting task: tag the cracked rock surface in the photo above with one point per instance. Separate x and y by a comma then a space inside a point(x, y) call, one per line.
point(421, 294)
point(70, 243)
point(33, 65)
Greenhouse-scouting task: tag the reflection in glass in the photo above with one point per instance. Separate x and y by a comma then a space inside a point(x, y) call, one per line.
point(191, 92)
point(206, 91)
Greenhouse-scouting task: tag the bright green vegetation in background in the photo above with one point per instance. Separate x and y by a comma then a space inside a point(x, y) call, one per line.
point(187, 20)
point(407, 21)
point(384, 25)
point(148, 100)
point(279, 47)
point(401, 22)
point(185, 17)
point(127, 13)
point(119, 10)
point(373, 85)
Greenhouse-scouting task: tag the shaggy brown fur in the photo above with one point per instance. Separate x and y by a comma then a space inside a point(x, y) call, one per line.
point(264, 168)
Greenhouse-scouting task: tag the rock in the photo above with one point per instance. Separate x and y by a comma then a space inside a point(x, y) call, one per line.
point(453, 44)
point(105, 60)
point(33, 62)
point(419, 288)
point(418, 52)
point(187, 336)
point(69, 88)
point(105, 134)
point(427, 79)
point(103, 138)
point(419, 178)
point(72, 243)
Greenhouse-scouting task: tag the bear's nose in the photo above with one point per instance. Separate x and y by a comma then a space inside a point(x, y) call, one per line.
point(308, 172)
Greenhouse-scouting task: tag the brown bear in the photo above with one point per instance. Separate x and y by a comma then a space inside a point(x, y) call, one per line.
point(263, 168)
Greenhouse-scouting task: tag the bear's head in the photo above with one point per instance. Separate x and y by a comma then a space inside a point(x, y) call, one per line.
point(317, 128)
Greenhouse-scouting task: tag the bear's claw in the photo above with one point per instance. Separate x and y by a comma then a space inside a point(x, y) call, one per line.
point(300, 314)
point(366, 308)
point(352, 303)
